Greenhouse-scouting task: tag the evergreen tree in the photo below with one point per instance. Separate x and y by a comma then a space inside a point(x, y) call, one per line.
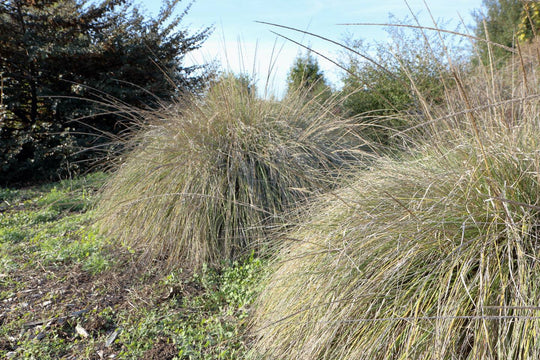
point(53, 52)
point(306, 75)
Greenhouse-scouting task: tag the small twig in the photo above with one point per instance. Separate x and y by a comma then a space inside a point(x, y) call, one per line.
point(61, 318)
point(401, 204)
point(534, 207)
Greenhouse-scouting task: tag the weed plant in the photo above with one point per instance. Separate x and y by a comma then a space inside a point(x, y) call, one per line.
point(432, 256)
point(47, 225)
point(209, 178)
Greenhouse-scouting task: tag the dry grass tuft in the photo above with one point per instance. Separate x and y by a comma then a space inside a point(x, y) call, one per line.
point(434, 256)
point(209, 178)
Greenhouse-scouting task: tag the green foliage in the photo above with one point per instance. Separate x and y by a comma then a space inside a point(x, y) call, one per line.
point(7, 195)
point(206, 326)
point(305, 76)
point(54, 54)
point(210, 179)
point(498, 22)
point(39, 152)
point(47, 215)
point(57, 200)
point(242, 82)
point(40, 219)
point(529, 25)
point(239, 283)
point(48, 350)
point(12, 235)
point(405, 76)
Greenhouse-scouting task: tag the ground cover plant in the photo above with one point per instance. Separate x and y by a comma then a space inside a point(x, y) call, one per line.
point(432, 255)
point(210, 177)
point(66, 293)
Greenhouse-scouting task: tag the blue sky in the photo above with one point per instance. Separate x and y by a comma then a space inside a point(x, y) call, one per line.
point(242, 45)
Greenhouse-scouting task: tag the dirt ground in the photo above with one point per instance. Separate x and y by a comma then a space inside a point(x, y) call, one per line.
point(68, 302)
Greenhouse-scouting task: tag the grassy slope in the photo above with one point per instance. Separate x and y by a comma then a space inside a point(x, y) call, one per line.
point(57, 276)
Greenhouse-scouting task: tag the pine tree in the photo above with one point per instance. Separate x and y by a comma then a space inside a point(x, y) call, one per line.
point(306, 75)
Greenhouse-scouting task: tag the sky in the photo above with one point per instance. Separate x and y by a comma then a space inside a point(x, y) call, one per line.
point(242, 45)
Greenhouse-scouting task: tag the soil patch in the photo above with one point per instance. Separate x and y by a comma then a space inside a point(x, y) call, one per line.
point(163, 349)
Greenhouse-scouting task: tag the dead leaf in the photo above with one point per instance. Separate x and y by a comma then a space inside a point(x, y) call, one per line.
point(112, 337)
point(81, 331)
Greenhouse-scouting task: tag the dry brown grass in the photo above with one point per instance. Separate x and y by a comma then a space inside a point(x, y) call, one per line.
point(211, 178)
point(433, 256)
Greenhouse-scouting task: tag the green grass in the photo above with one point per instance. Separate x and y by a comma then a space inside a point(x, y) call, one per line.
point(47, 219)
point(210, 178)
point(52, 263)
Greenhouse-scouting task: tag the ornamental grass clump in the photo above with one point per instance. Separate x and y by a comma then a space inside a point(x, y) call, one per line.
point(210, 178)
point(433, 256)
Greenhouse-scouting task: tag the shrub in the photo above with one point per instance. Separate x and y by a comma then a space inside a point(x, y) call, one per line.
point(500, 21)
point(431, 256)
point(407, 74)
point(208, 178)
point(63, 63)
